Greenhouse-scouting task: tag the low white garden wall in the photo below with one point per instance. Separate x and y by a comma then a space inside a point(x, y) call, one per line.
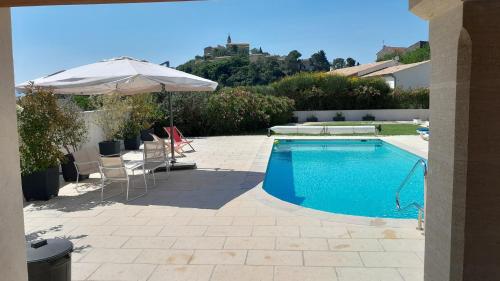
point(357, 115)
point(95, 134)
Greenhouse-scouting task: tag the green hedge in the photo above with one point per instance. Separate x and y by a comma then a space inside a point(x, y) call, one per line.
point(322, 91)
point(229, 111)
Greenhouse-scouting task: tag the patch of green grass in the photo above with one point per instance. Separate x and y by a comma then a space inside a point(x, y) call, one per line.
point(388, 129)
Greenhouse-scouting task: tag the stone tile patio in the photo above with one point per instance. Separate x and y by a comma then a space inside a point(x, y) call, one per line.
point(216, 223)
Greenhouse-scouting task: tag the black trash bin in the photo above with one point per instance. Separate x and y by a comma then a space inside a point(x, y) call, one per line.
point(49, 260)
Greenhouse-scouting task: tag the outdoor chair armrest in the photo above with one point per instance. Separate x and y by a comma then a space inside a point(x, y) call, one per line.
point(85, 163)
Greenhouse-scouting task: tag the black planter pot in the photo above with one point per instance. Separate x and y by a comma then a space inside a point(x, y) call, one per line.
point(69, 170)
point(132, 143)
point(339, 118)
point(41, 185)
point(146, 134)
point(109, 147)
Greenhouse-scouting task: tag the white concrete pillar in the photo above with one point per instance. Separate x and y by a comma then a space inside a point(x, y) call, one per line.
point(12, 249)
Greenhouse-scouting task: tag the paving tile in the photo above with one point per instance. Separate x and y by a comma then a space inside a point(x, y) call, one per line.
point(384, 233)
point(100, 241)
point(298, 221)
point(242, 273)
point(302, 273)
point(368, 274)
point(202, 243)
point(182, 273)
point(298, 244)
point(169, 221)
point(94, 230)
point(229, 231)
point(136, 230)
point(281, 231)
point(405, 245)
point(248, 243)
point(412, 274)
point(219, 257)
point(354, 245)
point(128, 221)
point(119, 213)
point(157, 212)
point(181, 230)
point(123, 272)
point(80, 271)
point(187, 212)
point(323, 232)
point(149, 242)
point(254, 221)
point(111, 255)
point(391, 259)
point(327, 258)
point(211, 221)
point(163, 256)
point(270, 257)
point(237, 212)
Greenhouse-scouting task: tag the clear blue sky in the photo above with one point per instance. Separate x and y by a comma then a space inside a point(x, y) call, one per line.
point(48, 39)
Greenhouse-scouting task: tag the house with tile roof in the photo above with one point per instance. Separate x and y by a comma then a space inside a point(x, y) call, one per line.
point(405, 76)
point(364, 69)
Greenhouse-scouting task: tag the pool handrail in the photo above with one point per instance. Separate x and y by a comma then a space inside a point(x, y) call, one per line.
point(413, 204)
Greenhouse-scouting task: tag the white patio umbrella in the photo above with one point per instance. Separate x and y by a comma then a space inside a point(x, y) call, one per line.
point(124, 76)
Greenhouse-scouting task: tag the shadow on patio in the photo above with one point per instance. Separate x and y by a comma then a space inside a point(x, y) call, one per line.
point(201, 188)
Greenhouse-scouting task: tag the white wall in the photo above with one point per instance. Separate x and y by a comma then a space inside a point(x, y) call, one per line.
point(415, 77)
point(95, 134)
point(357, 115)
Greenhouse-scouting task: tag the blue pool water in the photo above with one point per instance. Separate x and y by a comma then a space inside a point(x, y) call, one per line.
point(353, 177)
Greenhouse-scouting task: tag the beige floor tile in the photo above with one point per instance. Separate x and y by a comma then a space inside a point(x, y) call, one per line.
point(219, 257)
point(128, 221)
point(250, 243)
point(298, 221)
point(384, 233)
point(326, 258)
point(164, 256)
point(280, 231)
point(242, 273)
point(182, 273)
point(270, 257)
point(211, 221)
point(111, 255)
point(100, 241)
point(123, 212)
point(323, 232)
point(368, 274)
point(229, 231)
point(412, 274)
point(354, 245)
point(169, 221)
point(181, 230)
point(138, 230)
point(300, 244)
point(157, 212)
point(300, 273)
point(201, 243)
point(94, 230)
point(80, 271)
point(405, 245)
point(149, 242)
point(123, 272)
point(187, 212)
point(391, 259)
point(254, 221)
point(237, 212)
point(421, 255)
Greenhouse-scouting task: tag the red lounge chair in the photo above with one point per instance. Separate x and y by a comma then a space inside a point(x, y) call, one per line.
point(179, 139)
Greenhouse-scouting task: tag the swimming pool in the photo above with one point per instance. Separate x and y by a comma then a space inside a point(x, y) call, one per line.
point(352, 177)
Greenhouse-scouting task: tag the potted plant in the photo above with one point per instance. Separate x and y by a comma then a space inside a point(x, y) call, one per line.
point(339, 116)
point(111, 118)
point(38, 116)
point(144, 111)
point(130, 134)
point(312, 118)
point(368, 117)
point(72, 134)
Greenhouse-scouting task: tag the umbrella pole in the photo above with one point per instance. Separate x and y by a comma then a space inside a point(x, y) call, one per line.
point(172, 140)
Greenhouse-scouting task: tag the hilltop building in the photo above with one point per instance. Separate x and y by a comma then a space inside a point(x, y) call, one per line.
point(390, 50)
point(231, 49)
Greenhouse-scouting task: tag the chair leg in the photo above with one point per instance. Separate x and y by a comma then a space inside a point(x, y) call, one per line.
point(102, 190)
point(191, 146)
point(77, 180)
point(154, 178)
point(145, 181)
point(128, 185)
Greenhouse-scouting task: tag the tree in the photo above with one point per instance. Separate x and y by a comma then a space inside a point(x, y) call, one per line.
point(350, 62)
point(292, 63)
point(339, 63)
point(319, 62)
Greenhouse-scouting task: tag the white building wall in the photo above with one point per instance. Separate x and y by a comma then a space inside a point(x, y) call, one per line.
point(415, 77)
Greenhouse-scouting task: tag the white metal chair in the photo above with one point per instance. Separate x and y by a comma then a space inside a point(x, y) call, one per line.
point(86, 162)
point(113, 169)
point(155, 156)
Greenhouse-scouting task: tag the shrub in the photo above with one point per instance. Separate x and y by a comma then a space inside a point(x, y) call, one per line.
point(322, 91)
point(237, 110)
point(112, 115)
point(143, 110)
point(413, 98)
point(339, 116)
point(368, 117)
point(312, 118)
point(45, 127)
